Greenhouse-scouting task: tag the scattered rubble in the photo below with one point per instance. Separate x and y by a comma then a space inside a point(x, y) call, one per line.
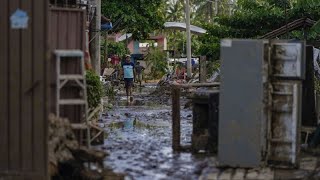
point(67, 159)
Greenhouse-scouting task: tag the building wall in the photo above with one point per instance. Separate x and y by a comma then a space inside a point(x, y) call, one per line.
point(23, 92)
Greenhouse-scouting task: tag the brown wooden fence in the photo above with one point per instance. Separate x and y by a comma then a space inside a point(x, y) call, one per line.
point(66, 31)
point(66, 28)
point(23, 92)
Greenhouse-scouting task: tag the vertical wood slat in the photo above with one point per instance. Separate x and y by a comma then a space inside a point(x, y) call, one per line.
point(203, 67)
point(14, 93)
point(16, 104)
point(26, 91)
point(69, 27)
point(83, 27)
point(53, 43)
point(4, 86)
point(72, 27)
point(77, 25)
point(63, 32)
point(39, 75)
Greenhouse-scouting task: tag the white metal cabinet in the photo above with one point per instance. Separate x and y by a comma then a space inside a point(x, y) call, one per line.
point(260, 102)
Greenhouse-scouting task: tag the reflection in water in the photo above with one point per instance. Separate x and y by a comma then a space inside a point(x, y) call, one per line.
point(141, 147)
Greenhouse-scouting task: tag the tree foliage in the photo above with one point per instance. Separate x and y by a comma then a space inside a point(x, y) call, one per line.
point(156, 58)
point(94, 89)
point(254, 18)
point(117, 48)
point(139, 17)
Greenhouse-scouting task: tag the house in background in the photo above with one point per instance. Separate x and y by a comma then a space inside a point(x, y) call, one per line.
point(141, 47)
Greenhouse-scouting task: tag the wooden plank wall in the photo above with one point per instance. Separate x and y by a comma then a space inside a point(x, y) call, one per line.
point(66, 31)
point(23, 92)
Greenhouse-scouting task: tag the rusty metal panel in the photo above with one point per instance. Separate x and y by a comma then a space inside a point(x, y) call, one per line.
point(285, 123)
point(241, 103)
point(23, 92)
point(288, 64)
point(288, 59)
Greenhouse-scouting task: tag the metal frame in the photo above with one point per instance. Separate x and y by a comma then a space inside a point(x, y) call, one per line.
point(80, 81)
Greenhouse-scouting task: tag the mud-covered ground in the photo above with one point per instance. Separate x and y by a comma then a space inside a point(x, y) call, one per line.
point(139, 138)
point(139, 143)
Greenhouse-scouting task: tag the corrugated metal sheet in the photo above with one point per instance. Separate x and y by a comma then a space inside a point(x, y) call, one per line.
point(23, 92)
point(299, 23)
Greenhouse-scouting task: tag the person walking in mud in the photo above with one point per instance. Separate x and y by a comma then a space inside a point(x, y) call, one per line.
point(139, 69)
point(128, 75)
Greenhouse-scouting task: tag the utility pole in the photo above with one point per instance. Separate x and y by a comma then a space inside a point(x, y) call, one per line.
point(216, 6)
point(95, 27)
point(187, 6)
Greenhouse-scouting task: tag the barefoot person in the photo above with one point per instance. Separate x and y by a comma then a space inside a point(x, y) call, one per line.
point(139, 69)
point(128, 75)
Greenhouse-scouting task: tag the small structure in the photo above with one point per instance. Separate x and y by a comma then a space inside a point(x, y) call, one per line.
point(303, 23)
point(138, 47)
point(205, 121)
point(182, 26)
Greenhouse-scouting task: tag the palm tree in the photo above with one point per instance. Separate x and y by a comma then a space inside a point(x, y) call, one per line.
point(204, 9)
point(174, 11)
point(207, 9)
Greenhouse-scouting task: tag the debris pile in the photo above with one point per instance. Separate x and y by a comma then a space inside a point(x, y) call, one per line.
point(67, 159)
point(170, 79)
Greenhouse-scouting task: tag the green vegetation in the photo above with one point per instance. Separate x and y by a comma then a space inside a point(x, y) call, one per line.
point(94, 89)
point(252, 19)
point(156, 58)
point(110, 92)
point(118, 48)
point(139, 17)
point(113, 48)
point(225, 19)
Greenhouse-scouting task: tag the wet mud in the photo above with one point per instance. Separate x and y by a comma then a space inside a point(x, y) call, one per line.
point(138, 140)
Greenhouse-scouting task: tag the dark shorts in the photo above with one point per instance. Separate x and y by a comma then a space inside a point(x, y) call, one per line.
point(128, 82)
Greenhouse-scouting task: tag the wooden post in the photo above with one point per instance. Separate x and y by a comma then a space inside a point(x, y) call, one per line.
point(95, 27)
point(175, 118)
point(105, 53)
point(203, 69)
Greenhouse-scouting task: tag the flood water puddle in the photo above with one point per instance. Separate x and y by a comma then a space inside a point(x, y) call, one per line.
point(139, 143)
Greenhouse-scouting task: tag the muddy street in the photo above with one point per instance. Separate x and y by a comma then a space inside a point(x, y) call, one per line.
point(139, 143)
point(139, 140)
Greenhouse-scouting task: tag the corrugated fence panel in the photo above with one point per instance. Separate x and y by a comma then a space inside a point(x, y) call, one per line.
point(4, 116)
point(23, 92)
point(26, 83)
point(67, 27)
point(14, 93)
point(40, 91)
